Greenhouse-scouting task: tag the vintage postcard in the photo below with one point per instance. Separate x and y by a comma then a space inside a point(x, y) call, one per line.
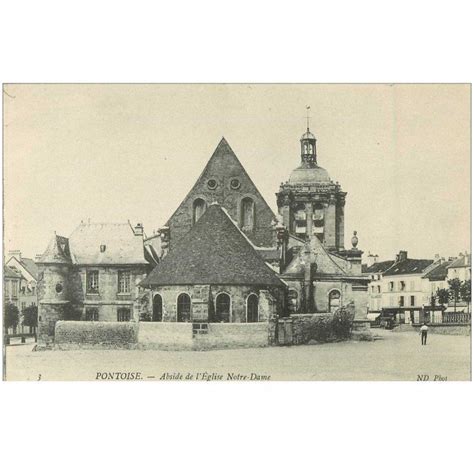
point(237, 232)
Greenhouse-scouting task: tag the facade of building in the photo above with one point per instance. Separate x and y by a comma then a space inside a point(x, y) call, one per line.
point(93, 275)
point(225, 181)
point(223, 256)
point(214, 274)
point(321, 274)
point(11, 286)
point(28, 269)
point(375, 272)
point(403, 294)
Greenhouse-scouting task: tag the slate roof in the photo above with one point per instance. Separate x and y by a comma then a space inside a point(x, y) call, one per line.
point(30, 266)
point(464, 261)
point(409, 265)
point(440, 272)
point(214, 251)
point(9, 272)
point(57, 251)
point(122, 246)
point(378, 267)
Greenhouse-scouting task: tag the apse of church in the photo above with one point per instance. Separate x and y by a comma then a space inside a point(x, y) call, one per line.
point(310, 202)
point(225, 181)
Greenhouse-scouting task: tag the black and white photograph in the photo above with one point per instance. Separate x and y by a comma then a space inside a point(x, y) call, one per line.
point(237, 232)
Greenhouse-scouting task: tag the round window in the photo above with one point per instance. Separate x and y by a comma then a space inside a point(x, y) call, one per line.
point(59, 288)
point(234, 183)
point(212, 184)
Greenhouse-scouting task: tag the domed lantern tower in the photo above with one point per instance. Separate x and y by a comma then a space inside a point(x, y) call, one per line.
point(308, 150)
point(310, 202)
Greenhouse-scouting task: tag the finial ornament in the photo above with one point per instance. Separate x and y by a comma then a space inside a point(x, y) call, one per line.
point(308, 108)
point(355, 240)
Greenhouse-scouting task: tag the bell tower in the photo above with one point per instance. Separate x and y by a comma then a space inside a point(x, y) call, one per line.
point(310, 203)
point(308, 150)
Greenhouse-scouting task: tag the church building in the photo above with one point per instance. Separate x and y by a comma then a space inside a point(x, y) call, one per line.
point(222, 256)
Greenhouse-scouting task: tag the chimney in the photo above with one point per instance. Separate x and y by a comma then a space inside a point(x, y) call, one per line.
point(402, 255)
point(38, 257)
point(436, 257)
point(138, 229)
point(15, 253)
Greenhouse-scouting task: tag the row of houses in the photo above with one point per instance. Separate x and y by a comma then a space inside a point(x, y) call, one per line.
point(20, 279)
point(406, 289)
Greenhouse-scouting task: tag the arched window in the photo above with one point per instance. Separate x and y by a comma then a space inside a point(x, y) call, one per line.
point(252, 309)
point(184, 308)
point(293, 301)
point(199, 208)
point(157, 308)
point(334, 300)
point(247, 214)
point(223, 308)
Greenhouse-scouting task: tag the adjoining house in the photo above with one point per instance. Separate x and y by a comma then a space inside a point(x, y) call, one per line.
point(460, 267)
point(11, 286)
point(28, 270)
point(375, 274)
point(93, 275)
point(402, 292)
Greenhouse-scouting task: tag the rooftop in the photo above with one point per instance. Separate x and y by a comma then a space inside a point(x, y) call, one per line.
point(214, 251)
point(379, 267)
point(462, 261)
point(407, 266)
point(440, 272)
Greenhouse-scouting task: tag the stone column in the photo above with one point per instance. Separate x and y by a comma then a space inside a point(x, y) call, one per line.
point(330, 224)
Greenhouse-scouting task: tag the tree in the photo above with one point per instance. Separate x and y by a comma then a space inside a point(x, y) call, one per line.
point(455, 290)
point(30, 316)
point(443, 296)
point(466, 293)
point(10, 316)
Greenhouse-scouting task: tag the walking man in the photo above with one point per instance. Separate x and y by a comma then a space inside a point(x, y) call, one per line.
point(424, 334)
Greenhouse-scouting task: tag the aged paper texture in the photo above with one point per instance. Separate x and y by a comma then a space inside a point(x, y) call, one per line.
point(237, 232)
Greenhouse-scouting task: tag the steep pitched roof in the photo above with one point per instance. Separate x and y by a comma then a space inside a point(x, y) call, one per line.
point(214, 251)
point(440, 272)
point(463, 261)
point(326, 263)
point(409, 265)
point(222, 167)
point(122, 246)
point(10, 273)
point(30, 266)
point(57, 251)
point(378, 267)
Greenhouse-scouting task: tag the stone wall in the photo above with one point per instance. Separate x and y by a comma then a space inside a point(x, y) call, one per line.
point(233, 335)
point(165, 336)
point(85, 335)
point(223, 167)
point(238, 295)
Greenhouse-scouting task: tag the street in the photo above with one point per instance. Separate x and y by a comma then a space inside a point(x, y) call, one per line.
point(392, 356)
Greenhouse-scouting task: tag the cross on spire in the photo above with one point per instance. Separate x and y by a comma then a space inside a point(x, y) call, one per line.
point(308, 107)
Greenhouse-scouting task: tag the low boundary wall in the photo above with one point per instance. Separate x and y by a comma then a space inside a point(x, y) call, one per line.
point(73, 335)
point(165, 336)
point(233, 336)
point(95, 334)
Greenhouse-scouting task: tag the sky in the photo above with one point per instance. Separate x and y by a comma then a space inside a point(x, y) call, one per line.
point(112, 153)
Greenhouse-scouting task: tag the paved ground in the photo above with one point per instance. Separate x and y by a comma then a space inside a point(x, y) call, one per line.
point(396, 356)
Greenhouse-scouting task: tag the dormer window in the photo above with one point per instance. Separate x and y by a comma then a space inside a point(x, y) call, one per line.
point(102, 248)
